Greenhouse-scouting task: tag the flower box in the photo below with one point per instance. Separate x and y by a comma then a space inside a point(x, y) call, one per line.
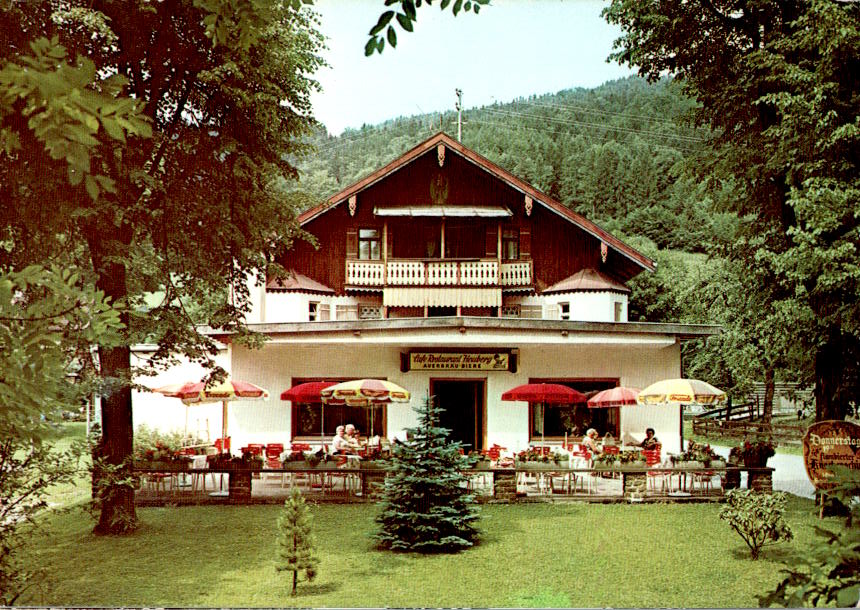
point(690, 465)
point(372, 465)
point(541, 466)
point(163, 465)
point(634, 465)
point(598, 465)
point(718, 464)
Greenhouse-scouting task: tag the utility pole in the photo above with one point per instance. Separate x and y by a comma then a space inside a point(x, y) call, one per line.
point(459, 107)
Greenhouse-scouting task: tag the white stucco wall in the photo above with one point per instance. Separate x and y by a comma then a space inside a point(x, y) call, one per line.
point(276, 365)
point(169, 414)
point(584, 306)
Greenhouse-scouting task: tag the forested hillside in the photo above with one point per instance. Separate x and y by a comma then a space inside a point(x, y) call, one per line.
point(615, 154)
point(625, 156)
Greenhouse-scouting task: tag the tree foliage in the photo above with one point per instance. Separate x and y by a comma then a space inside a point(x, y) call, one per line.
point(827, 571)
point(776, 83)
point(147, 145)
point(405, 15)
point(425, 504)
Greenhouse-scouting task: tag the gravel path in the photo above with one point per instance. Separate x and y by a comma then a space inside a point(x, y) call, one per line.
point(789, 473)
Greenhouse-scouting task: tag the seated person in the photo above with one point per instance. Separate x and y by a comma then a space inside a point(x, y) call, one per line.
point(650, 441)
point(352, 437)
point(339, 443)
point(589, 442)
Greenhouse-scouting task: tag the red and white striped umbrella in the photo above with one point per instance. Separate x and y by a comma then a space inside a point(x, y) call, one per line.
point(614, 397)
point(224, 392)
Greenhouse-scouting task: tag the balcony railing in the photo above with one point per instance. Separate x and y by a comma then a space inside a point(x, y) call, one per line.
point(441, 272)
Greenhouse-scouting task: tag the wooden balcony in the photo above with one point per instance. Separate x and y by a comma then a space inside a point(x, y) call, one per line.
point(438, 272)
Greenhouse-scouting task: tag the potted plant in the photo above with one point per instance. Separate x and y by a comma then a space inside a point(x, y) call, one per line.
point(756, 454)
point(606, 461)
point(632, 459)
point(536, 460)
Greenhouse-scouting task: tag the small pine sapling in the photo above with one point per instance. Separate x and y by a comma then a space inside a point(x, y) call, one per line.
point(295, 543)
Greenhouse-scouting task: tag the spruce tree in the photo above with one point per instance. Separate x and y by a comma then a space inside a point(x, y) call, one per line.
point(295, 544)
point(425, 504)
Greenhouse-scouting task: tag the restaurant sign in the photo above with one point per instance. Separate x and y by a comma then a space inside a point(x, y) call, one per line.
point(458, 361)
point(830, 443)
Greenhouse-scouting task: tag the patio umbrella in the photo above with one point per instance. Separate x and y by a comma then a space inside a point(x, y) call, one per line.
point(681, 391)
point(364, 393)
point(543, 394)
point(613, 397)
point(309, 393)
point(223, 392)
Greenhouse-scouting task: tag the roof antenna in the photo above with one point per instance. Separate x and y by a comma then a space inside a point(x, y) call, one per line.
point(459, 106)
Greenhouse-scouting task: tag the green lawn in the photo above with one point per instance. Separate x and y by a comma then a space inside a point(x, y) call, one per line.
point(530, 556)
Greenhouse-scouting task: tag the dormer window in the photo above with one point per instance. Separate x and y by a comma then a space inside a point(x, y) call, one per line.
point(510, 244)
point(369, 245)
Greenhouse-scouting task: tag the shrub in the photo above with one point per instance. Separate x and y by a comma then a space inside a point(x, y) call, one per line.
point(826, 572)
point(756, 517)
point(27, 471)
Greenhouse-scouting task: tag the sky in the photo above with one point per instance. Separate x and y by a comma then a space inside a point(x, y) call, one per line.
point(513, 48)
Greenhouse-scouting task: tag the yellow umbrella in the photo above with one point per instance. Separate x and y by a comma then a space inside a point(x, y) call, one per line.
point(364, 393)
point(681, 391)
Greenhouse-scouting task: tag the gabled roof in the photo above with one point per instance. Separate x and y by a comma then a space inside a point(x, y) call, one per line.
point(490, 167)
point(587, 280)
point(296, 282)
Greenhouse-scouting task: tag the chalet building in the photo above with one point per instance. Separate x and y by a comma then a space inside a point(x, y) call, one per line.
point(449, 276)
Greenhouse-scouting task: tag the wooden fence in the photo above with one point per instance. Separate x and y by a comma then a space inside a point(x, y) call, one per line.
point(782, 433)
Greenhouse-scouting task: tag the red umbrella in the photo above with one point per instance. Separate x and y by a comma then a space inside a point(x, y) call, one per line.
point(545, 393)
point(309, 393)
point(614, 397)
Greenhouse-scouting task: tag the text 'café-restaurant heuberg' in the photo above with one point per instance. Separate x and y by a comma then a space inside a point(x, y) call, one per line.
point(449, 276)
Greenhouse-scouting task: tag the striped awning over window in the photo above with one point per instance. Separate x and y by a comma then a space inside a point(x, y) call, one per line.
point(442, 297)
point(447, 211)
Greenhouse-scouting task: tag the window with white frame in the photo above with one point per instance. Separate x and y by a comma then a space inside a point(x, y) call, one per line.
point(564, 311)
point(619, 311)
point(318, 312)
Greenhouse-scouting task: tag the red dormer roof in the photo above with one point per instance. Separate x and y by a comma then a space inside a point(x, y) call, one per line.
point(588, 280)
point(296, 282)
point(490, 167)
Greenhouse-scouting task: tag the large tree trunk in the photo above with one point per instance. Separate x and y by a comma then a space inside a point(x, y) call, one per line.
point(118, 516)
point(769, 387)
point(828, 375)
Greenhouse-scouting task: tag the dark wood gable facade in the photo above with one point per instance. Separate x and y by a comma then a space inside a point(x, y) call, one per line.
point(441, 217)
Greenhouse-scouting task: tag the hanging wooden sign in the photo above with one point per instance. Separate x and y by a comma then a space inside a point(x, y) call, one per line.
point(444, 360)
point(830, 443)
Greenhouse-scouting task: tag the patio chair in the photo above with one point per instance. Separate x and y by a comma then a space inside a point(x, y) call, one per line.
point(272, 454)
point(652, 459)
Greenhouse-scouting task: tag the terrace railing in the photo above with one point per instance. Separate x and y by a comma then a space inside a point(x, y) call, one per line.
point(439, 272)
